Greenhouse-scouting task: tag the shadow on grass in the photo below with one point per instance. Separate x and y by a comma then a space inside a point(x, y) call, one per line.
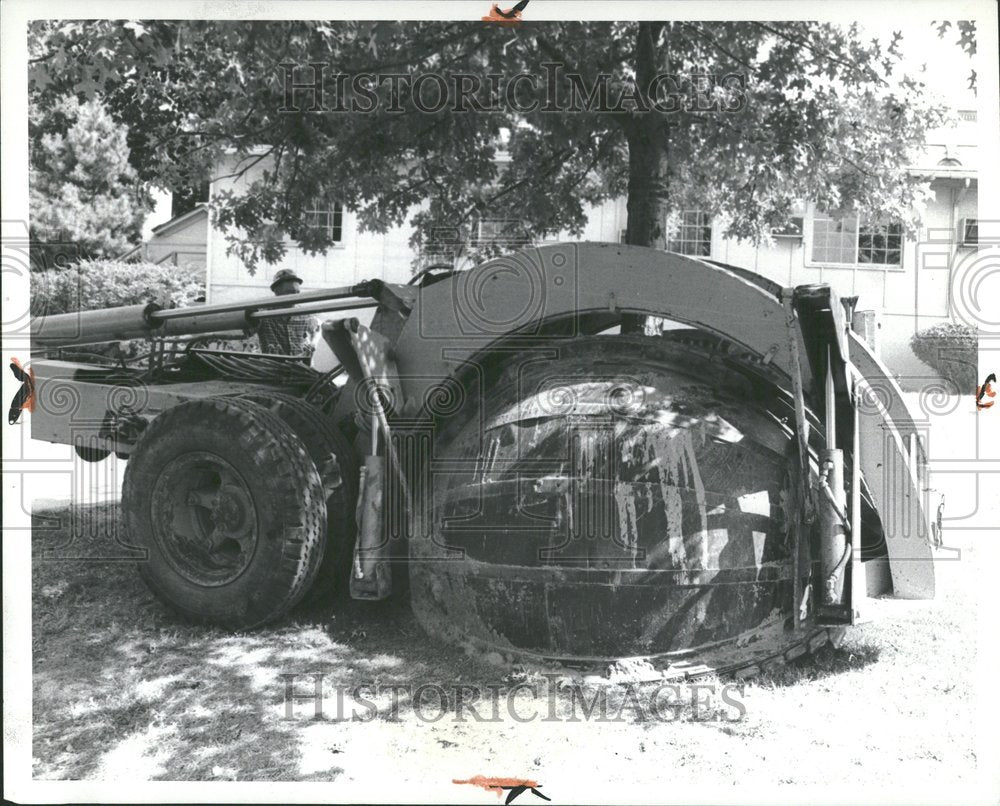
point(824, 662)
point(124, 688)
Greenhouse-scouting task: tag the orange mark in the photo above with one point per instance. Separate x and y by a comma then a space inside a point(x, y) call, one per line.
point(985, 390)
point(497, 784)
point(510, 18)
point(28, 378)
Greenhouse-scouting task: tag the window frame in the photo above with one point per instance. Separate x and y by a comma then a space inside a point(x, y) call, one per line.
point(705, 224)
point(333, 210)
point(809, 241)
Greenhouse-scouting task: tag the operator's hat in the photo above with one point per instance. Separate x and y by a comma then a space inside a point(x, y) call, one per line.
point(285, 274)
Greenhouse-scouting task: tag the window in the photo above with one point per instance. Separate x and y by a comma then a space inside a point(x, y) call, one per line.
point(330, 218)
point(855, 241)
point(880, 244)
point(693, 235)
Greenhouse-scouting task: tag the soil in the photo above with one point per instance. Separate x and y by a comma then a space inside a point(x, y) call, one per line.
point(126, 691)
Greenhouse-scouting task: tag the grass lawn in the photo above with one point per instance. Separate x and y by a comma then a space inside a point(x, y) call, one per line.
point(124, 691)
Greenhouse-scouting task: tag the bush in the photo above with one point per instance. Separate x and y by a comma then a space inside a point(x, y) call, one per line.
point(94, 284)
point(951, 350)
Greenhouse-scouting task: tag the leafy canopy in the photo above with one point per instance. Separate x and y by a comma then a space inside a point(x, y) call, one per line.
point(825, 115)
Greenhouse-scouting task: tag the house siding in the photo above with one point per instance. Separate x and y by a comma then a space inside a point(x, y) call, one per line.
point(361, 255)
point(183, 244)
point(904, 299)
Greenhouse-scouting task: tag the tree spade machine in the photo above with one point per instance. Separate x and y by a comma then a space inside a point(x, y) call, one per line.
point(717, 492)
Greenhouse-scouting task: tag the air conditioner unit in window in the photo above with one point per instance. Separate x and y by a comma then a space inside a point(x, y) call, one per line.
point(791, 229)
point(968, 232)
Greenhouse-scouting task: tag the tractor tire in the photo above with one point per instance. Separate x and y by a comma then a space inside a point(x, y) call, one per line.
point(230, 509)
point(335, 459)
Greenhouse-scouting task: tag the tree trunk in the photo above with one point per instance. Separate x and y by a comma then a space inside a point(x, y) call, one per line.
point(648, 184)
point(647, 150)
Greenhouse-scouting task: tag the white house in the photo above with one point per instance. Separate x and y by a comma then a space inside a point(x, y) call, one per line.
point(181, 241)
point(905, 282)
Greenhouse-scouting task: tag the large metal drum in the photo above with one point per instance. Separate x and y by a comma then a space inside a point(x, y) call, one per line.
point(607, 497)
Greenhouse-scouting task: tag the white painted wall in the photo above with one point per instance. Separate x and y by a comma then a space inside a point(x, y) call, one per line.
point(182, 243)
point(361, 256)
point(905, 299)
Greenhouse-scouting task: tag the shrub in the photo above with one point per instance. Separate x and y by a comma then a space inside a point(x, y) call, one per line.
point(94, 284)
point(951, 350)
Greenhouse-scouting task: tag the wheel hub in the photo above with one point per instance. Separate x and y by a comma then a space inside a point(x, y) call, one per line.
point(233, 510)
point(205, 521)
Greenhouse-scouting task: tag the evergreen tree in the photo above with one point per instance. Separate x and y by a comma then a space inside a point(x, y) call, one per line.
point(85, 197)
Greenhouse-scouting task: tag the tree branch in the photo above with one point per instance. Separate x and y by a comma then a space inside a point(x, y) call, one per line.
point(820, 52)
point(714, 42)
